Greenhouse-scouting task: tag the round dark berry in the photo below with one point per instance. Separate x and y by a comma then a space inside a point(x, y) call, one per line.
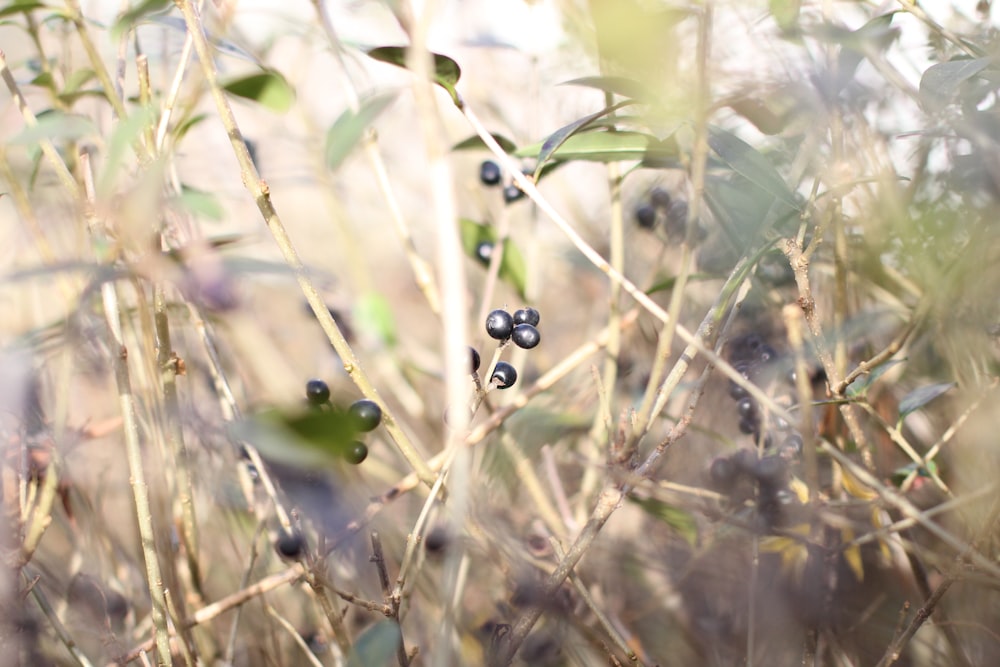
point(645, 216)
point(660, 198)
point(745, 460)
point(499, 324)
point(366, 414)
point(474, 360)
point(317, 392)
point(766, 353)
point(484, 252)
point(290, 545)
point(770, 470)
point(792, 444)
point(504, 375)
point(512, 193)
point(357, 452)
point(526, 336)
point(527, 316)
point(722, 472)
point(436, 540)
point(736, 391)
point(748, 425)
point(746, 408)
point(489, 173)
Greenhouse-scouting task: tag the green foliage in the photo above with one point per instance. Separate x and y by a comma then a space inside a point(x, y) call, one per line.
point(348, 129)
point(268, 88)
point(512, 267)
point(446, 71)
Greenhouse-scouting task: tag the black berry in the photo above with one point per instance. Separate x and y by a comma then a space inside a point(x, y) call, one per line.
point(499, 324)
point(504, 375)
point(722, 472)
point(474, 360)
point(317, 392)
point(489, 173)
point(512, 193)
point(436, 540)
point(770, 470)
point(484, 252)
point(766, 353)
point(745, 460)
point(527, 316)
point(526, 336)
point(660, 198)
point(645, 216)
point(290, 545)
point(745, 408)
point(357, 452)
point(366, 414)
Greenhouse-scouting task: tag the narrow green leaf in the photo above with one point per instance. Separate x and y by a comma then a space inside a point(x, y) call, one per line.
point(678, 519)
point(475, 142)
point(55, 126)
point(940, 83)
point(307, 438)
point(562, 135)
point(348, 129)
point(268, 88)
point(446, 71)
point(19, 7)
point(746, 161)
point(137, 14)
point(669, 282)
point(862, 383)
point(376, 646)
point(918, 398)
point(617, 85)
point(607, 147)
point(201, 203)
point(513, 269)
point(374, 316)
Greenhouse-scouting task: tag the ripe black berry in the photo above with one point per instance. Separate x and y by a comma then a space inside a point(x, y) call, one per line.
point(527, 316)
point(745, 408)
point(526, 336)
point(474, 360)
point(660, 198)
point(484, 252)
point(645, 216)
point(366, 414)
point(499, 324)
point(770, 470)
point(489, 173)
point(504, 375)
point(436, 540)
point(745, 460)
point(357, 453)
point(317, 392)
point(290, 545)
point(722, 472)
point(512, 193)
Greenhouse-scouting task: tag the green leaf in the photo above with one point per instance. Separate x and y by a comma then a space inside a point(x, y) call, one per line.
point(940, 83)
point(446, 71)
point(55, 126)
point(900, 474)
point(600, 146)
point(376, 646)
point(268, 88)
point(136, 15)
point(201, 203)
point(19, 7)
point(512, 267)
point(374, 317)
point(862, 383)
point(125, 134)
point(742, 210)
point(475, 142)
point(348, 129)
point(307, 438)
point(746, 161)
point(617, 85)
point(669, 282)
point(678, 519)
point(562, 135)
point(918, 398)
point(785, 12)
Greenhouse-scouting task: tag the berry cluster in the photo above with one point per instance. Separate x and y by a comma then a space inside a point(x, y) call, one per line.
point(491, 175)
point(519, 328)
point(365, 416)
point(661, 207)
point(746, 471)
